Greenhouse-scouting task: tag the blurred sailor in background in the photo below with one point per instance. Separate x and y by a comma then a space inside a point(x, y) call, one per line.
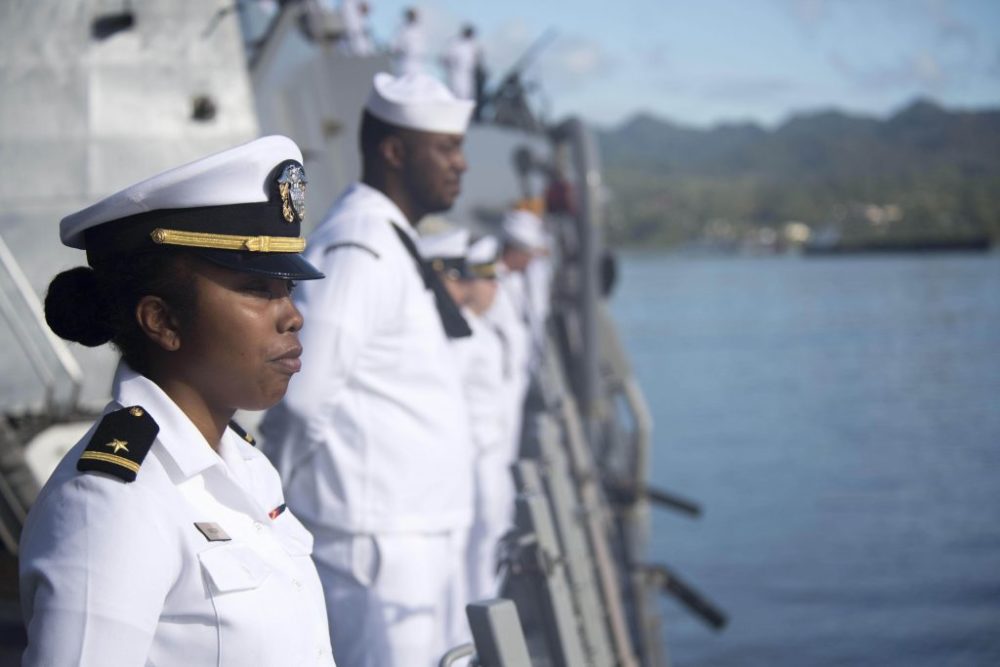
point(372, 436)
point(512, 315)
point(460, 62)
point(444, 253)
point(487, 377)
point(410, 46)
point(471, 282)
point(527, 278)
point(162, 538)
point(355, 16)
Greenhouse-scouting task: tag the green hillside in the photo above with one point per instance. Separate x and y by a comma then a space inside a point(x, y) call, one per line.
point(923, 173)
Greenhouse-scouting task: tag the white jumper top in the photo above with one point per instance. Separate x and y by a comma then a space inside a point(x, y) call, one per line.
point(372, 435)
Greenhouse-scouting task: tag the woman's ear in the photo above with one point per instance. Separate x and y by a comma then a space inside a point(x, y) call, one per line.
point(158, 323)
point(393, 151)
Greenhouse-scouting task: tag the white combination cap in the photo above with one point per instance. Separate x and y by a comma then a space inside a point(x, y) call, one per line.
point(241, 208)
point(524, 228)
point(449, 243)
point(483, 251)
point(482, 257)
point(445, 251)
point(418, 102)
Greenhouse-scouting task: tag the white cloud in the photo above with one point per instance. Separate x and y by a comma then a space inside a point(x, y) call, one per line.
point(949, 27)
point(807, 13)
point(573, 61)
point(560, 61)
point(921, 69)
point(926, 68)
point(747, 88)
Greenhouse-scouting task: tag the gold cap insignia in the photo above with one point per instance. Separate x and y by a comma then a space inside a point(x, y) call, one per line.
point(292, 187)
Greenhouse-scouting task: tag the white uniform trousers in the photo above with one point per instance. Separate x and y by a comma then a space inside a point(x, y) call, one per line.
point(494, 517)
point(398, 598)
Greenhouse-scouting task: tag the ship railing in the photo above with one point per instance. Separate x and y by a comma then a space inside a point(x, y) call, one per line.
point(49, 357)
point(53, 364)
point(576, 564)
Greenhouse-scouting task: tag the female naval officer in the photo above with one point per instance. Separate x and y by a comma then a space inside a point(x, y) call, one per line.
point(162, 537)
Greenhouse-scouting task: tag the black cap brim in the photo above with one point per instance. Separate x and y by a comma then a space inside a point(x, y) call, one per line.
point(283, 265)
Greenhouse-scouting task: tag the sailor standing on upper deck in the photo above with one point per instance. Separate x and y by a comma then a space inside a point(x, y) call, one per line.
point(355, 16)
point(460, 62)
point(372, 441)
point(410, 46)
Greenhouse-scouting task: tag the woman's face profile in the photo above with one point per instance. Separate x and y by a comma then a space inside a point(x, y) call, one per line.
point(241, 346)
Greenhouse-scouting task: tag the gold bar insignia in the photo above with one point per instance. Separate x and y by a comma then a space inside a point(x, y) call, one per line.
point(228, 241)
point(111, 458)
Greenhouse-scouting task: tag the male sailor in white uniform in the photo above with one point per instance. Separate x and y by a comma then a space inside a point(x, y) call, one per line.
point(511, 314)
point(487, 375)
point(355, 16)
point(372, 440)
point(460, 61)
point(410, 46)
point(526, 275)
point(469, 272)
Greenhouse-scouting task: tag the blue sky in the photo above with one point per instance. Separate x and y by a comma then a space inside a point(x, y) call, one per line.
point(701, 62)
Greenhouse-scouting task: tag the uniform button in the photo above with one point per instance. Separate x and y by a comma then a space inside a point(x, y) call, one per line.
point(297, 583)
point(258, 526)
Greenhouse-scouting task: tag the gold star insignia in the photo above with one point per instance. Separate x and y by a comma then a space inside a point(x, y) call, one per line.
point(118, 445)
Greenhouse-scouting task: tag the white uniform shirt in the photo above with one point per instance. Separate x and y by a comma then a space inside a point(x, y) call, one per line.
point(117, 574)
point(484, 379)
point(482, 360)
point(508, 315)
point(372, 435)
point(460, 65)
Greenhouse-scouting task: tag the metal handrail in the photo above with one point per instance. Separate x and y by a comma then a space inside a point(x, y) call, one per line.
point(457, 653)
point(33, 344)
point(577, 136)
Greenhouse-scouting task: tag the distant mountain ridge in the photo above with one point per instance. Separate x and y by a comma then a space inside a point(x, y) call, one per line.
point(942, 167)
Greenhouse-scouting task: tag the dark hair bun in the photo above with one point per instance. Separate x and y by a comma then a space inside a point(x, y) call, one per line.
point(72, 308)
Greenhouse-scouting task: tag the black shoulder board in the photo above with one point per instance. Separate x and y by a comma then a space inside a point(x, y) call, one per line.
point(243, 434)
point(120, 443)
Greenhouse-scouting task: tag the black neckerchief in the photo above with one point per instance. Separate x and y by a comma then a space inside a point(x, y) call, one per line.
point(455, 325)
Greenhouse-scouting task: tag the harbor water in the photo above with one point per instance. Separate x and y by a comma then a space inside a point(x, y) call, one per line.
point(838, 418)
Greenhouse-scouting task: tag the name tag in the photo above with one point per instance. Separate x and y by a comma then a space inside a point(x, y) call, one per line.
point(212, 531)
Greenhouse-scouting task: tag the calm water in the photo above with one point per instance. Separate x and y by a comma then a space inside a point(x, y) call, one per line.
point(838, 419)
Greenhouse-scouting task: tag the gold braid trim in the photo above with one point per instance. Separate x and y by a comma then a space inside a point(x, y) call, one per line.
point(483, 270)
point(111, 458)
point(229, 241)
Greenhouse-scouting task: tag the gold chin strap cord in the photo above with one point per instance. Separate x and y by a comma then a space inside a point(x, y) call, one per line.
point(483, 270)
point(229, 241)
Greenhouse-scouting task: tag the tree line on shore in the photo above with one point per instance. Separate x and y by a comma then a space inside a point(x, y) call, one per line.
point(924, 173)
